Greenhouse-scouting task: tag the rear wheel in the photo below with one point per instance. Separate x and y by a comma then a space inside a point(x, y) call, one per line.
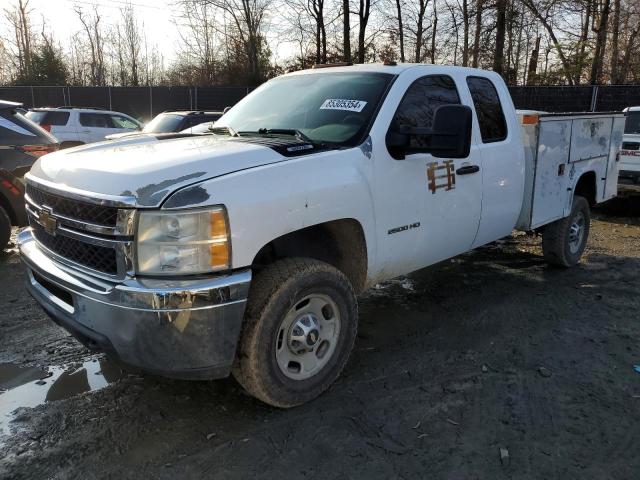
point(564, 241)
point(299, 329)
point(5, 228)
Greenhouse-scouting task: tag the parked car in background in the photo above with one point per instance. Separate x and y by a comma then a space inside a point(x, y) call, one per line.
point(22, 142)
point(76, 126)
point(169, 122)
point(630, 153)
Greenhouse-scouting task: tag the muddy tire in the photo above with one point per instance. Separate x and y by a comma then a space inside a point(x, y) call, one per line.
point(564, 241)
point(300, 326)
point(5, 229)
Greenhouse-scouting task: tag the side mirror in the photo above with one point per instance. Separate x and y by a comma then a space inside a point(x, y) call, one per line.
point(450, 136)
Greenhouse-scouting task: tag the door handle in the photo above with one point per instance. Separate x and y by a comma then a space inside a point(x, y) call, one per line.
point(468, 169)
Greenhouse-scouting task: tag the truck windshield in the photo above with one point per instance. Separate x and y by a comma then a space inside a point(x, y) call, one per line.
point(633, 123)
point(334, 108)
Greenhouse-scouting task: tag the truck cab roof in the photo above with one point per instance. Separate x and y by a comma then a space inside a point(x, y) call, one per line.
point(390, 68)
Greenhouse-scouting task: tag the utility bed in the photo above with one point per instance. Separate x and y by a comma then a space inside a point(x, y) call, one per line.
point(560, 147)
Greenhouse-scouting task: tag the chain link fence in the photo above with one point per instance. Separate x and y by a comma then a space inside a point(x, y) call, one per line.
point(146, 102)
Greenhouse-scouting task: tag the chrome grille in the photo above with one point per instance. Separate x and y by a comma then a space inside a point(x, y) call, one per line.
point(88, 212)
point(84, 235)
point(95, 257)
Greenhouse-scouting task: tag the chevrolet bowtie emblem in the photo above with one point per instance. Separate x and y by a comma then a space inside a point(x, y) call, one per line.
point(48, 222)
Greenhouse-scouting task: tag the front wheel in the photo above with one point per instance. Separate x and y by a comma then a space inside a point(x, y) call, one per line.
point(564, 241)
point(300, 326)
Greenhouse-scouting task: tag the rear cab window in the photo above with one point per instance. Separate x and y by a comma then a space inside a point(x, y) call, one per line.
point(493, 126)
point(47, 117)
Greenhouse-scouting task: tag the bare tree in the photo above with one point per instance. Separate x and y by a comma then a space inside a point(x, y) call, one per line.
point(22, 38)
point(94, 38)
point(363, 12)
point(247, 18)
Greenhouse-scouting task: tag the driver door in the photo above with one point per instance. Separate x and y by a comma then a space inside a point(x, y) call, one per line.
point(428, 208)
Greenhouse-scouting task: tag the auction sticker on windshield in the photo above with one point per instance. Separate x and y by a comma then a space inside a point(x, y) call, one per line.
point(343, 104)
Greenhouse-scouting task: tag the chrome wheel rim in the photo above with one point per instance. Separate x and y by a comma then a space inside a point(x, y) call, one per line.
point(307, 337)
point(576, 232)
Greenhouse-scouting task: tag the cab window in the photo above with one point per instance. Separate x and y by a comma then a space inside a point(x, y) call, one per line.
point(123, 122)
point(420, 102)
point(96, 120)
point(493, 126)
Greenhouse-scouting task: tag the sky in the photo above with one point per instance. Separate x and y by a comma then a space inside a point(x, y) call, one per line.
point(158, 17)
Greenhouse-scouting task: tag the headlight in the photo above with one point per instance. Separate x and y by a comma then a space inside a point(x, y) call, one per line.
point(183, 242)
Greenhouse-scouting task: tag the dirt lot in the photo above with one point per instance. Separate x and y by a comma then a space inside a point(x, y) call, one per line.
point(488, 355)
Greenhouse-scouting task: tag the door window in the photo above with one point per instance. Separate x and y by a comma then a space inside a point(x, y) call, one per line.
point(123, 122)
point(418, 106)
point(493, 126)
point(95, 120)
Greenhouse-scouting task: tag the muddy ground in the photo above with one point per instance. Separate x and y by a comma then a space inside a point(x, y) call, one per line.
point(488, 366)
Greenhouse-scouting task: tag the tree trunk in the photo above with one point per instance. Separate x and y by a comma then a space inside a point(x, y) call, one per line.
point(615, 46)
point(601, 43)
point(465, 40)
point(434, 32)
point(533, 63)
point(400, 30)
point(363, 14)
point(346, 32)
point(583, 42)
point(626, 61)
point(476, 41)
point(501, 23)
point(420, 29)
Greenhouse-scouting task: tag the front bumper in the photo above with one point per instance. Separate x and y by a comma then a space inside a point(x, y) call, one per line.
point(175, 328)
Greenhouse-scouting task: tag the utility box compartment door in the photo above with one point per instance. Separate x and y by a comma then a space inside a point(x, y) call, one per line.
point(591, 138)
point(550, 181)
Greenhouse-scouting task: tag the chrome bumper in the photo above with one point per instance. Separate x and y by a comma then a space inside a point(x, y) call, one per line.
point(169, 327)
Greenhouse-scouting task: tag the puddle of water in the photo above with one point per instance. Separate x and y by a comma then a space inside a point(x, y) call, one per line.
point(30, 387)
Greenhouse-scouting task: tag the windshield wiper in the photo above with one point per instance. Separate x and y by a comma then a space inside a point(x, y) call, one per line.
point(228, 130)
point(286, 131)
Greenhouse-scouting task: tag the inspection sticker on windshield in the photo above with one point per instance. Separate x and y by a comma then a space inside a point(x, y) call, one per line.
point(342, 104)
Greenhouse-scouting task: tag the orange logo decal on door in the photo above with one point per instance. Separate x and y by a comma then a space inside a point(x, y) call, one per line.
point(441, 175)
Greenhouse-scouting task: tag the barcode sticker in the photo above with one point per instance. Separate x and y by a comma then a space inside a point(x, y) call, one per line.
point(343, 104)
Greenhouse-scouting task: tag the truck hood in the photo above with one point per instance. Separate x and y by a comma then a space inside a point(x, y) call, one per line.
point(148, 168)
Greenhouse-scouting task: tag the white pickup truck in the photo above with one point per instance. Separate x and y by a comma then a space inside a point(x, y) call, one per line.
point(630, 153)
point(242, 250)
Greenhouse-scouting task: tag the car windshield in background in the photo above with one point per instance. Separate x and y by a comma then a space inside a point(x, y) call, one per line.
point(633, 123)
point(163, 123)
point(332, 108)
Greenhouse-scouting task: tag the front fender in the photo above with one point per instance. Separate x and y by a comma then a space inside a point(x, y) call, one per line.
point(266, 202)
